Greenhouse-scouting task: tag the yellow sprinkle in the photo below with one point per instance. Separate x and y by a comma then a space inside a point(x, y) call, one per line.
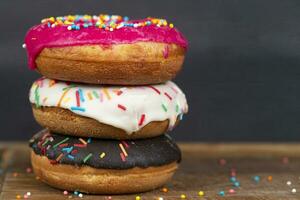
point(62, 97)
point(164, 189)
point(171, 25)
point(18, 196)
point(201, 193)
point(51, 83)
point(82, 141)
point(67, 100)
point(123, 149)
point(183, 196)
point(137, 198)
point(102, 155)
point(106, 93)
point(90, 96)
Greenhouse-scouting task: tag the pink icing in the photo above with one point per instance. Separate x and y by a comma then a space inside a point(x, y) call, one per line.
point(42, 36)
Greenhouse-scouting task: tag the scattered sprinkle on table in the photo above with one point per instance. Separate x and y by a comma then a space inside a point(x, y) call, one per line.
point(137, 198)
point(201, 193)
point(222, 193)
point(256, 179)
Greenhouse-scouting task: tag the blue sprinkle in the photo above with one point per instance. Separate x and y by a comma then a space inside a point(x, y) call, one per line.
point(232, 179)
point(71, 157)
point(67, 149)
point(78, 108)
point(256, 178)
point(236, 184)
point(81, 95)
point(85, 25)
point(125, 18)
point(181, 116)
point(89, 140)
point(49, 25)
point(222, 193)
point(76, 192)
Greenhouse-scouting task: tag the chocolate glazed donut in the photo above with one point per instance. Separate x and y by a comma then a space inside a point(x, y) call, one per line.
point(103, 166)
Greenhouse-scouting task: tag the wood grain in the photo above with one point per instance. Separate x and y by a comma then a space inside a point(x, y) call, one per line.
point(199, 170)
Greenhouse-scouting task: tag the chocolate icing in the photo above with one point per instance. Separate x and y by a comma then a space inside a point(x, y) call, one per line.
point(60, 149)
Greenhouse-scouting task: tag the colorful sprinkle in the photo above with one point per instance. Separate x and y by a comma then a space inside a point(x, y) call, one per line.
point(231, 191)
point(270, 178)
point(64, 140)
point(222, 193)
point(80, 145)
point(81, 95)
point(142, 119)
point(82, 141)
point(155, 89)
point(164, 107)
point(77, 99)
point(122, 107)
point(106, 93)
point(62, 97)
point(78, 108)
point(256, 179)
point(137, 198)
point(104, 22)
point(167, 95)
point(122, 157)
point(201, 193)
point(87, 157)
point(123, 149)
point(90, 96)
point(95, 94)
point(59, 157)
point(102, 155)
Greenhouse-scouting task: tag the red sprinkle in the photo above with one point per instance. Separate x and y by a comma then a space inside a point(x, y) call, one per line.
point(119, 92)
point(122, 157)
point(74, 151)
point(142, 119)
point(63, 145)
point(155, 89)
point(121, 107)
point(125, 144)
point(167, 95)
point(53, 162)
point(77, 98)
point(80, 145)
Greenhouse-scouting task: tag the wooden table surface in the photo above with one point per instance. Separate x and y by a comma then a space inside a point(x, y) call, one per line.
point(199, 170)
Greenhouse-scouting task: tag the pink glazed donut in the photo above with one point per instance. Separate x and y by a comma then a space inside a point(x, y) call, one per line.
point(106, 49)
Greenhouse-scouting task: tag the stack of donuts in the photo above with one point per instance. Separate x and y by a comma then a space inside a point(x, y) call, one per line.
point(106, 101)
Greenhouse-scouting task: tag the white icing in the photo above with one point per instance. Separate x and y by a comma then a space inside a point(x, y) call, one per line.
point(107, 103)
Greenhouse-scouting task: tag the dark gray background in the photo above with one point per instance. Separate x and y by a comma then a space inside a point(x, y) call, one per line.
point(241, 74)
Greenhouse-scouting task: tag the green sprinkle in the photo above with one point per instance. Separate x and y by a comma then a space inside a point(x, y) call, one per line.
point(37, 96)
point(177, 108)
point(69, 87)
point(47, 140)
point(87, 157)
point(64, 140)
point(95, 94)
point(164, 107)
